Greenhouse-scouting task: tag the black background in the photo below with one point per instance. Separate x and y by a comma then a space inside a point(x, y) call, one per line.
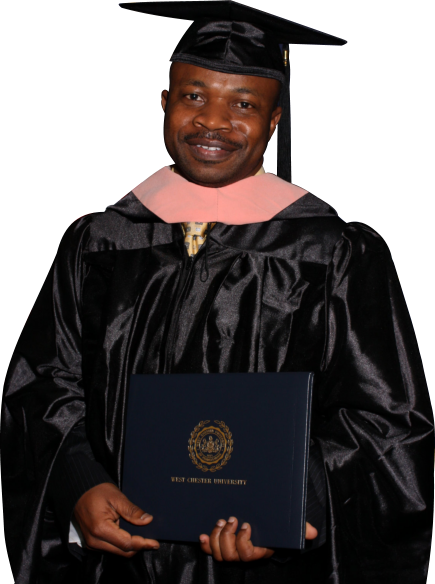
point(84, 104)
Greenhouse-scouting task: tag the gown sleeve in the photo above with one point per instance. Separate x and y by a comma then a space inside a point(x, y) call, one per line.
point(376, 434)
point(43, 401)
point(74, 472)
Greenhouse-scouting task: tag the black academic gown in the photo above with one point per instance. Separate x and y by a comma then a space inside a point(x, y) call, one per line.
point(302, 292)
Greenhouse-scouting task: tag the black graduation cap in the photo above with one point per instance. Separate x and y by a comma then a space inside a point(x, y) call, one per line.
point(230, 37)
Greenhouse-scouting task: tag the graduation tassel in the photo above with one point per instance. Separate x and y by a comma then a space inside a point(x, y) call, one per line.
point(284, 166)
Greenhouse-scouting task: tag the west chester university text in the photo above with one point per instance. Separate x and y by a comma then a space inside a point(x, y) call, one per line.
point(209, 481)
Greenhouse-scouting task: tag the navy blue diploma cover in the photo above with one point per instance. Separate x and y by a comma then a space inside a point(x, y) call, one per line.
point(200, 447)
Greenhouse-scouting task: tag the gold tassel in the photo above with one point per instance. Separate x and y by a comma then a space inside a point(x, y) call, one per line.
point(285, 57)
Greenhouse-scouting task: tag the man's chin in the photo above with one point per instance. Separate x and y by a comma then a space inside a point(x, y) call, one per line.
point(210, 179)
point(209, 173)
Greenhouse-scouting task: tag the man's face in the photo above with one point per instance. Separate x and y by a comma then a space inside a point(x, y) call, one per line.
point(217, 125)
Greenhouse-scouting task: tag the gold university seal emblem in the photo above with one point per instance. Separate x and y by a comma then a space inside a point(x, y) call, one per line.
point(210, 445)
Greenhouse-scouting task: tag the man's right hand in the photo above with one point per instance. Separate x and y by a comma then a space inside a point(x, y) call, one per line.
point(97, 513)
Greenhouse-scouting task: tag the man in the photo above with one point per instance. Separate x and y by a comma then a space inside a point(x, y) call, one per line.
point(280, 283)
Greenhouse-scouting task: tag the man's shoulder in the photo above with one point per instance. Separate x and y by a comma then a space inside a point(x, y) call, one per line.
point(129, 209)
point(360, 239)
point(119, 226)
point(323, 215)
point(313, 219)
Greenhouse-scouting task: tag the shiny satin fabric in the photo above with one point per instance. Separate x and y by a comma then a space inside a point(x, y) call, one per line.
point(302, 292)
point(231, 47)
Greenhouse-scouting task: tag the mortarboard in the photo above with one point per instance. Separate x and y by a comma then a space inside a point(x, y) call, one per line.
point(230, 37)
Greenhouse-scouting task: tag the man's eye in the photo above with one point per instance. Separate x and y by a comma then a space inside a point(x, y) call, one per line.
point(193, 96)
point(244, 105)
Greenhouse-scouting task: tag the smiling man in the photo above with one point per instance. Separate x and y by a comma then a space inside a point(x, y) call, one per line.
point(217, 126)
point(213, 265)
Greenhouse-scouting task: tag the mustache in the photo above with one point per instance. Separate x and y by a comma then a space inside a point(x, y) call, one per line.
point(212, 136)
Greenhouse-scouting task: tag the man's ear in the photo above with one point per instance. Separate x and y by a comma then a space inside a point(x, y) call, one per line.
point(274, 119)
point(165, 95)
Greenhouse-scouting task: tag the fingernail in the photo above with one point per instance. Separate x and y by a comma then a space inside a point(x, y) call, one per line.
point(202, 538)
point(221, 523)
point(145, 516)
point(156, 547)
point(231, 520)
point(244, 526)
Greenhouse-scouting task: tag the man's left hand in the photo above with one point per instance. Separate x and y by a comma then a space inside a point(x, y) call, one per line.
point(224, 545)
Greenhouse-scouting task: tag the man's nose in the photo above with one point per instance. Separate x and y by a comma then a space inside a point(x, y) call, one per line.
point(213, 116)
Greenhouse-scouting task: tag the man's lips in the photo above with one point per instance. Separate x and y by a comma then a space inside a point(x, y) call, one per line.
point(216, 150)
point(214, 144)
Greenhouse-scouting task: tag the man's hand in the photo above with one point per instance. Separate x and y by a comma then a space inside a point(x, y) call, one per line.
point(225, 545)
point(97, 513)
